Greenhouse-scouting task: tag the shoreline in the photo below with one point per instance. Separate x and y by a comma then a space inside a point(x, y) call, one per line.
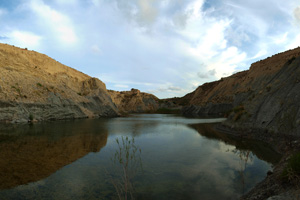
point(272, 187)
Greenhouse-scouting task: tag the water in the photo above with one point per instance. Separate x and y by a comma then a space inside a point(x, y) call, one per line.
point(180, 158)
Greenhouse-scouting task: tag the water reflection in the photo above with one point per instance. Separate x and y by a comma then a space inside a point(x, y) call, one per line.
point(180, 161)
point(245, 150)
point(260, 149)
point(31, 153)
point(245, 157)
point(126, 164)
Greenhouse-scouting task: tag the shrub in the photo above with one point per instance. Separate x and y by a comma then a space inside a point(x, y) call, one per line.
point(238, 115)
point(238, 109)
point(17, 89)
point(30, 117)
point(292, 170)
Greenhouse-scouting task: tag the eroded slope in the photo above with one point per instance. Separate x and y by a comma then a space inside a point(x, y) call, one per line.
point(265, 97)
point(34, 86)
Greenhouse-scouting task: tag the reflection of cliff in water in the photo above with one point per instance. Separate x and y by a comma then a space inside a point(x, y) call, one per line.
point(260, 149)
point(31, 153)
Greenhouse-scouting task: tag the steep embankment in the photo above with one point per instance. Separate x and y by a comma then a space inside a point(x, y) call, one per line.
point(264, 97)
point(134, 101)
point(34, 86)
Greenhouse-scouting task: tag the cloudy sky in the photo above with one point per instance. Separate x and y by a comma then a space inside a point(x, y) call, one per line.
point(165, 47)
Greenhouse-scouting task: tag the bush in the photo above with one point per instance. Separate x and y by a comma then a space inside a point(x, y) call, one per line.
point(30, 117)
point(238, 111)
point(292, 170)
point(239, 115)
point(294, 163)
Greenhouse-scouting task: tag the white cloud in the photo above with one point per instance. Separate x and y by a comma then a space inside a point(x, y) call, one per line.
point(260, 54)
point(173, 88)
point(66, 2)
point(25, 39)
point(121, 86)
point(297, 14)
point(95, 49)
point(96, 2)
point(208, 74)
point(59, 25)
point(294, 43)
point(208, 43)
point(280, 39)
point(147, 12)
point(168, 47)
point(2, 12)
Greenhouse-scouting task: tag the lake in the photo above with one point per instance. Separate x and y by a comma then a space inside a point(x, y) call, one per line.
point(168, 157)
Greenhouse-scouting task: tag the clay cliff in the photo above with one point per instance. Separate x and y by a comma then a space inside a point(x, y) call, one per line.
point(34, 86)
point(265, 97)
point(134, 101)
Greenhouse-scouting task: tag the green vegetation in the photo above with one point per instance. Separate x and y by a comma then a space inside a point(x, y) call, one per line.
point(17, 89)
point(43, 87)
point(292, 171)
point(30, 116)
point(168, 111)
point(238, 111)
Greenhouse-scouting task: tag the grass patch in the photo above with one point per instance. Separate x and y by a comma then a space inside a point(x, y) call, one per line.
point(17, 89)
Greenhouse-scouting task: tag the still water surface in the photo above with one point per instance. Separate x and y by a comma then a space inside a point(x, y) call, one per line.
point(181, 159)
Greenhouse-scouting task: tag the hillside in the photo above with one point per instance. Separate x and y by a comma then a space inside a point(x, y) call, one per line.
point(134, 101)
point(264, 97)
point(34, 86)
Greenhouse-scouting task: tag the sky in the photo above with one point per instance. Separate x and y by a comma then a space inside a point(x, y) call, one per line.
point(164, 47)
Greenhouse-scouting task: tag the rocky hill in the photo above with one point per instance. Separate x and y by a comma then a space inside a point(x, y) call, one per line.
point(134, 101)
point(264, 97)
point(35, 87)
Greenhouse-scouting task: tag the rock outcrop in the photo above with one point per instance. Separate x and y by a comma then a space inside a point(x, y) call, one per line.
point(35, 87)
point(134, 101)
point(265, 97)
